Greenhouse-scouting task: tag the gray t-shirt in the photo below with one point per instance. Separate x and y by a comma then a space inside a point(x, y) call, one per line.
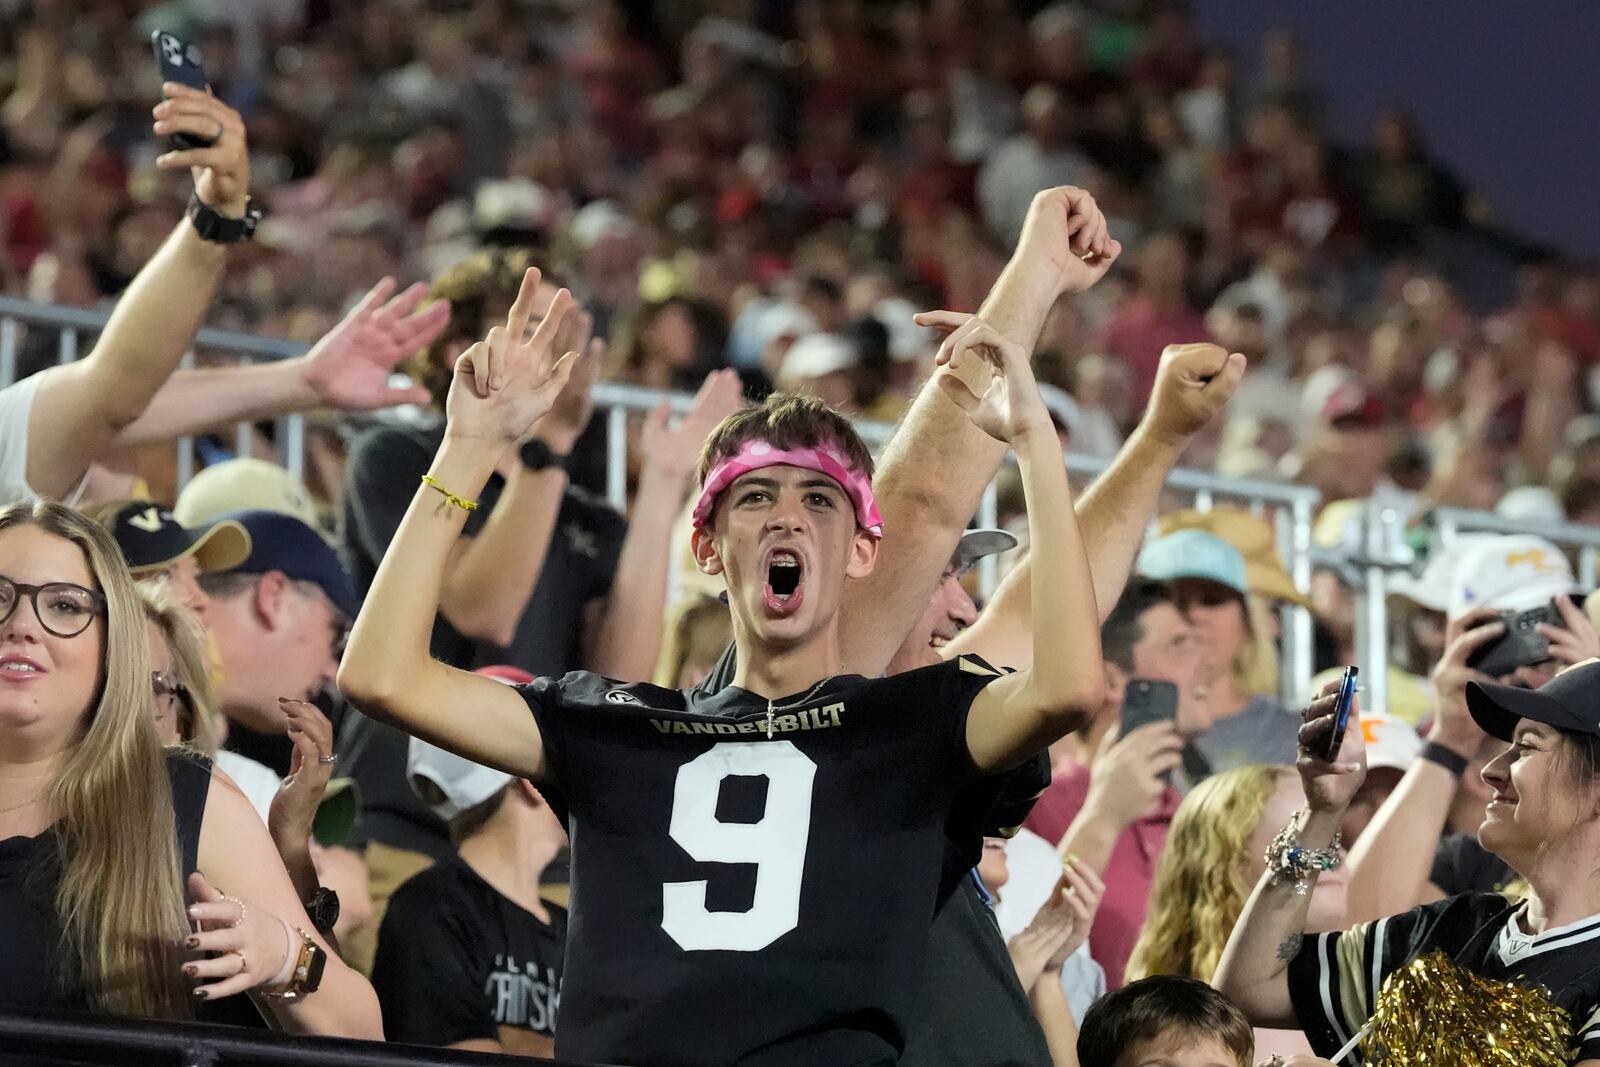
point(1264, 732)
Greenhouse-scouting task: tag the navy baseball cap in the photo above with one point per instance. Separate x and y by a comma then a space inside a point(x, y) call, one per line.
point(280, 542)
point(1569, 701)
point(151, 539)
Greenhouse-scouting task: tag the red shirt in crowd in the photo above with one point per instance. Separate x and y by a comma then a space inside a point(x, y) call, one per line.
point(1129, 874)
point(1137, 332)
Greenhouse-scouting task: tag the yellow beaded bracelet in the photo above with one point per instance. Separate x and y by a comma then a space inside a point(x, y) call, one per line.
point(450, 498)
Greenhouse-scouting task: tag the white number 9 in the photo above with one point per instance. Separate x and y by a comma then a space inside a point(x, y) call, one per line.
point(776, 845)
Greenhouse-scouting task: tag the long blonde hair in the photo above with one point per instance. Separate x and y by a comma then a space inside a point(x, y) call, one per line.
point(202, 731)
point(1194, 900)
point(120, 897)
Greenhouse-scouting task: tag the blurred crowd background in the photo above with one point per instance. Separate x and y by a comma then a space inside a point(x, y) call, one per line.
point(775, 186)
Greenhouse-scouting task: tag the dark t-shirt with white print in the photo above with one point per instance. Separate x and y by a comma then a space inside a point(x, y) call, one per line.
point(457, 960)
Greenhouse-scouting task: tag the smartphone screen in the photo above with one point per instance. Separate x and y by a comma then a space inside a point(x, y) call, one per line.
point(1341, 713)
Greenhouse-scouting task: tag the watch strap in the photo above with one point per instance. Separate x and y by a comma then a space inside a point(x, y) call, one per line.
point(537, 455)
point(1449, 759)
point(217, 228)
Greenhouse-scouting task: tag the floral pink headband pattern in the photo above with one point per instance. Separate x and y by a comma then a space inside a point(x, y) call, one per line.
point(826, 461)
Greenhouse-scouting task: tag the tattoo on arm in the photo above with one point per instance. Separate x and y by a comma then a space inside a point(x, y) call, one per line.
point(1290, 948)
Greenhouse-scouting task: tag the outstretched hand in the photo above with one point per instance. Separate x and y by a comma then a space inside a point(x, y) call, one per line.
point(1193, 384)
point(506, 383)
point(294, 808)
point(988, 376)
point(350, 366)
point(672, 450)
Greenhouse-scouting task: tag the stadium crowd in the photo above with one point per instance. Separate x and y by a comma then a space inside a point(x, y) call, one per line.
point(435, 745)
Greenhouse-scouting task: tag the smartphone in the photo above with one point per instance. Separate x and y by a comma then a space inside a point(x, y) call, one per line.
point(1341, 713)
point(1147, 701)
point(179, 62)
point(1521, 645)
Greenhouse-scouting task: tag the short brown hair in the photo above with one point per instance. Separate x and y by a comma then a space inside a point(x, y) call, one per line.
point(1162, 1004)
point(786, 420)
point(480, 285)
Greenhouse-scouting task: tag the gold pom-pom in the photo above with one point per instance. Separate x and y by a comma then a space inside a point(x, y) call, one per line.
point(1435, 1013)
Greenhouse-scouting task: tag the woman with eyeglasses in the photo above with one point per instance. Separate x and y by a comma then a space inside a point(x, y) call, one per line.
point(99, 824)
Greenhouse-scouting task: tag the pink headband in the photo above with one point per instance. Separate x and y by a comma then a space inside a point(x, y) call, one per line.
point(758, 454)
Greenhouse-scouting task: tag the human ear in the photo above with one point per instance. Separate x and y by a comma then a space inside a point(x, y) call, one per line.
point(704, 546)
point(863, 555)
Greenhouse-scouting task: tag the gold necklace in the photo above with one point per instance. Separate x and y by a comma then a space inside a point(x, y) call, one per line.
point(18, 807)
point(773, 709)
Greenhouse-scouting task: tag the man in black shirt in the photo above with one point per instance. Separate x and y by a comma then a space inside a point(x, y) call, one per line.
point(754, 872)
point(470, 954)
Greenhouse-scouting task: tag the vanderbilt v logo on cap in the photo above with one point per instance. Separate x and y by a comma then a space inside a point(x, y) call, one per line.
point(148, 520)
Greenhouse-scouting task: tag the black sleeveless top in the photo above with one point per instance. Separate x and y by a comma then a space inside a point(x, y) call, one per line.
point(31, 976)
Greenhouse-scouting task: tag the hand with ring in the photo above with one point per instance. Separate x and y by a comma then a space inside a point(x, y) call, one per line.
point(310, 769)
point(248, 945)
point(221, 170)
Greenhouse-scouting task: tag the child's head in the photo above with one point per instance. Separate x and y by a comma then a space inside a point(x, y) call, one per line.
point(1165, 1021)
point(786, 515)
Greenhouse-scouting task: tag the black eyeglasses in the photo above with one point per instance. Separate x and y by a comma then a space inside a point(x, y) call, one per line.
point(62, 608)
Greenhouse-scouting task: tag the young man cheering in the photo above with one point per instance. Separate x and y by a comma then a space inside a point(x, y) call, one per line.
point(754, 872)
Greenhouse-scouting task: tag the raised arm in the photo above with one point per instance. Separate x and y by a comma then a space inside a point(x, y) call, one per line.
point(1021, 713)
point(936, 466)
point(347, 368)
point(1391, 863)
point(627, 638)
point(1193, 384)
point(503, 385)
point(81, 407)
point(489, 578)
point(1254, 970)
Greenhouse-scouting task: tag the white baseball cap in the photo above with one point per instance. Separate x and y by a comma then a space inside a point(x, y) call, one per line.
point(1432, 588)
point(457, 784)
point(1391, 742)
point(818, 355)
point(1509, 573)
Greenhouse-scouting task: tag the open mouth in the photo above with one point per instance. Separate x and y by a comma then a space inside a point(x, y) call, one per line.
point(783, 591)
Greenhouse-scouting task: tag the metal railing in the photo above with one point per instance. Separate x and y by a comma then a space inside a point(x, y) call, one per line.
point(1294, 506)
point(73, 1038)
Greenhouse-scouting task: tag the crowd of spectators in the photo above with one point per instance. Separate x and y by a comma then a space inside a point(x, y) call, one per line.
point(754, 197)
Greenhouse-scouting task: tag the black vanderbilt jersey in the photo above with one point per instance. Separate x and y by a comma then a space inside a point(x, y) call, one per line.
point(1335, 980)
point(757, 889)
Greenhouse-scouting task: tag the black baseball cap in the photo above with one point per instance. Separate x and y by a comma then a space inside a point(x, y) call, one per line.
point(280, 542)
point(1569, 701)
point(151, 538)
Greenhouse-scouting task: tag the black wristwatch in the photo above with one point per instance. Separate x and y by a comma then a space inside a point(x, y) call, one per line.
point(539, 456)
point(323, 909)
point(220, 229)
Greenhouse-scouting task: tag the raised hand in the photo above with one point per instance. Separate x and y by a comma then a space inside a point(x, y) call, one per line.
point(1129, 776)
point(575, 406)
point(350, 366)
point(1193, 384)
point(222, 170)
point(1331, 786)
point(1453, 725)
point(672, 451)
point(988, 376)
point(1065, 234)
point(1060, 927)
point(506, 383)
point(1575, 640)
point(294, 808)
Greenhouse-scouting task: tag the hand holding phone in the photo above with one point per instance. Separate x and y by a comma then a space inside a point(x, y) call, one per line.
point(179, 61)
point(1341, 714)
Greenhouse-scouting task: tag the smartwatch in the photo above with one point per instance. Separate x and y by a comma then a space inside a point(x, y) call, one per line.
point(323, 909)
point(539, 456)
point(308, 967)
point(221, 229)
